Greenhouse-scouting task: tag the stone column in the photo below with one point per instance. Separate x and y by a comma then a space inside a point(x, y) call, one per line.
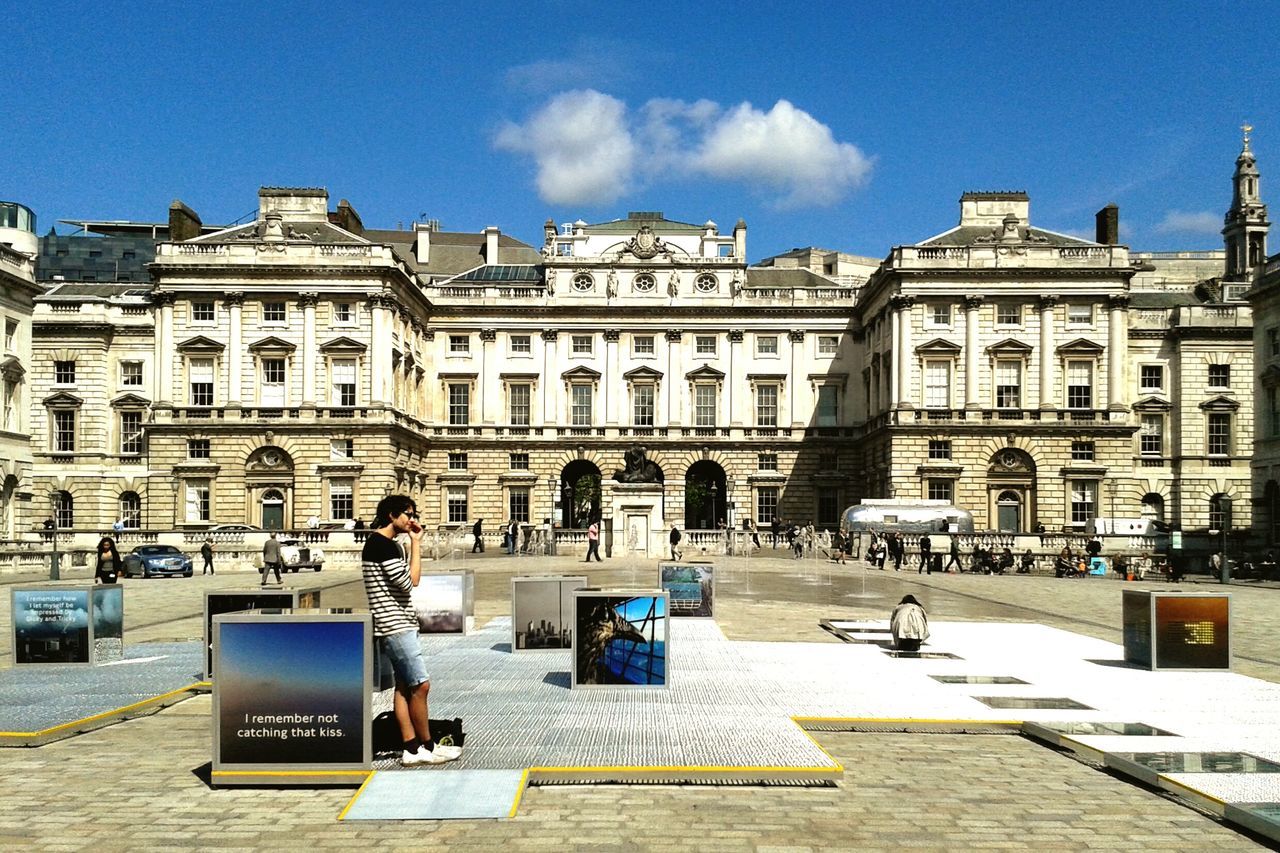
point(381, 306)
point(167, 346)
point(792, 416)
point(1047, 355)
point(309, 352)
point(161, 393)
point(972, 387)
point(895, 360)
point(1117, 353)
point(675, 378)
point(737, 410)
point(611, 389)
point(902, 354)
point(235, 349)
point(551, 379)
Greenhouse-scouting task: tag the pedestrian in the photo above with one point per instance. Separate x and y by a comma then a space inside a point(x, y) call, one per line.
point(1006, 561)
point(896, 547)
point(755, 533)
point(775, 526)
point(797, 541)
point(50, 528)
point(313, 523)
point(909, 625)
point(840, 544)
point(1028, 563)
point(271, 558)
point(926, 554)
point(109, 563)
point(388, 581)
point(674, 539)
point(206, 551)
point(506, 538)
point(118, 525)
point(477, 532)
point(359, 524)
point(955, 556)
point(593, 541)
point(513, 536)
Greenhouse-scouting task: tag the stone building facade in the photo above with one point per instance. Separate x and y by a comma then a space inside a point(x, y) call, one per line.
point(18, 290)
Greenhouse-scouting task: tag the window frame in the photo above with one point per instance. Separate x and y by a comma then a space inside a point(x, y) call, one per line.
point(576, 348)
point(457, 500)
point(458, 403)
point(64, 372)
point(1146, 446)
point(638, 344)
point(712, 349)
point(765, 341)
point(130, 443)
point(939, 449)
point(828, 345)
point(342, 489)
point(202, 307)
point(582, 414)
point(63, 435)
point(639, 417)
point(271, 308)
point(520, 345)
point(126, 367)
point(198, 390)
point(928, 388)
point(766, 411)
point(519, 413)
point(705, 404)
point(1091, 365)
point(1145, 386)
point(1221, 382)
point(1218, 432)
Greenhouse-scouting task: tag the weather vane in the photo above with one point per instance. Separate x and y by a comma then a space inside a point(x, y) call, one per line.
point(1247, 128)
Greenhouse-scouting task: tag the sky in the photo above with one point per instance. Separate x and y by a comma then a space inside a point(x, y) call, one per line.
point(855, 128)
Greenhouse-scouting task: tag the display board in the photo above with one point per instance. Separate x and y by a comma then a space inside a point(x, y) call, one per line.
point(238, 600)
point(620, 638)
point(108, 623)
point(56, 624)
point(542, 612)
point(1177, 630)
point(291, 703)
point(692, 587)
point(445, 602)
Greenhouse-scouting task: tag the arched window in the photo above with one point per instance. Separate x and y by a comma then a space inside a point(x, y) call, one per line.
point(131, 510)
point(1153, 507)
point(1220, 512)
point(64, 510)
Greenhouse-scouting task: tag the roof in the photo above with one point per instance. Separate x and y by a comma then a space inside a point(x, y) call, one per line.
point(636, 218)
point(76, 290)
point(786, 277)
point(453, 252)
point(1162, 298)
point(967, 235)
point(502, 272)
point(996, 195)
point(309, 230)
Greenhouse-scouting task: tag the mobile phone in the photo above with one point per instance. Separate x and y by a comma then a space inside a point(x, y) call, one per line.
point(415, 526)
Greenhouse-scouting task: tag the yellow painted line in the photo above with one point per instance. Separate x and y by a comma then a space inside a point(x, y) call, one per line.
point(524, 783)
point(1165, 780)
point(686, 769)
point(292, 773)
point(351, 802)
point(903, 720)
point(820, 747)
point(125, 709)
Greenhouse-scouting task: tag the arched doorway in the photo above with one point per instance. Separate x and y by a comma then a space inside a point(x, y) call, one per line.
point(268, 475)
point(1011, 485)
point(579, 494)
point(1152, 507)
point(272, 510)
point(1009, 511)
point(130, 510)
point(705, 497)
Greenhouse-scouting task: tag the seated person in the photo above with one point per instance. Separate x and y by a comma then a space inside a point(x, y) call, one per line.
point(909, 625)
point(1064, 563)
point(1006, 562)
point(1028, 563)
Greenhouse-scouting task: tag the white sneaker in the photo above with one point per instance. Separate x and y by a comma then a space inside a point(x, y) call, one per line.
point(440, 755)
point(448, 753)
point(409, 759)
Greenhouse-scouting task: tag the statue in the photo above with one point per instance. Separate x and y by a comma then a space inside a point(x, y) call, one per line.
point(638, 468)
point(673, 284)
point(611, 284)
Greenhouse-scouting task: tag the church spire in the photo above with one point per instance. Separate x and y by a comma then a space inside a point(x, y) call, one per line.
point(1245, 225)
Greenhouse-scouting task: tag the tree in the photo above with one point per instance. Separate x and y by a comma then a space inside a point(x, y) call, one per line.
point(586, 499)
point(697, 495)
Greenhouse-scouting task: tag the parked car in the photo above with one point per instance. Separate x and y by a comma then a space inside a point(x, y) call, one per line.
point(151, 561)
point(240, 527)
point(296, 554)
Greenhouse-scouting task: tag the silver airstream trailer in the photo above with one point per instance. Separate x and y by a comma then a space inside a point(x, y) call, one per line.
point(906, 516)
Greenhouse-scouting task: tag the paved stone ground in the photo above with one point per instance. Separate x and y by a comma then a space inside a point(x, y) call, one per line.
point(136, 786)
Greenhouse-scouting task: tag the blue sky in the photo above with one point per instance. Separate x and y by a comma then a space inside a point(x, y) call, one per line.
point(856, 128)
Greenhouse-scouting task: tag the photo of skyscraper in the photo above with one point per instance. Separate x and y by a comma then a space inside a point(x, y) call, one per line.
point(542, 612)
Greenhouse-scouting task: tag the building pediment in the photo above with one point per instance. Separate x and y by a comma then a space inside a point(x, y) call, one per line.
point(129, 401)
point(1152, 404)
point(63, 400)
point(11, 368)
point(1220, 404)
point(1080, 346)
point(938, 346)
point(1010, 346)
point(580, 372)
point(704, 372)
point(271, 344)
point(642, 373)
point(200, 344)
point(342, 345)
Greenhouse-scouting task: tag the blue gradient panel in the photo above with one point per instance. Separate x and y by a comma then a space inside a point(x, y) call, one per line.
point(108, 612)
point(51, 626)
point(291, 692)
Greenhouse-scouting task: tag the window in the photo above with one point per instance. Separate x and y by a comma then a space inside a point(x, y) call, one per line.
point(704, 405)
point(273, 312)
point(341, 499)
point(828, 405)
point(1219, 434)
point(202, 312)
point(582, 344)
point(342, 372)
point(1079, 384)
point(828, 344)
point(705, 283)
point(937, 384)
point(1219, 376)
point(457, 461)
point(518, 397)
point(1151, 435)
point(828, 462)
point(1079, 314)
point(1082, 451)
point(10, 404)
point(459, 404)
point(456, 504)
point(1008, 314)
point(519, 461)
point(64, 432)
point(704, 344)
point(459, 344)
point(642, 405)
point(130, 433)
point(583, 283)
point(642, 345)
point(1219, 512)
point(941, 490)
point(1273, 399)
point(197, 494)
point(131, 373)
point(766, 405)
point(940, 314)
point(130, 510)
point(342, 448)
point(272, 391)
point(1151, 378)
point(64, 373)
point(767, 461)
point(10, 335)
point(564, 250)
point(198, 448)
point(1273, 341)
point(522, 344)
point(1084, 497)
point(766, 503)
point(581, 413)
point(1008, 384)
point(518, 504)
point(939, 448)
point(767, 345)
point(344, 312)
point(64, 510)
point(829, 508)
point(200, 377)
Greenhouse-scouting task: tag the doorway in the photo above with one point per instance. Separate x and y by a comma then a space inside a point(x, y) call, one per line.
point(1009, 512)
point(272, 510)
point(637, 535)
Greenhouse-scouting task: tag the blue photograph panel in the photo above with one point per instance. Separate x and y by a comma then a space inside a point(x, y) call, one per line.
point(691, 587)
point(51, 626)
point(621, 640)
point(237, 602)
point(291, 693)
point(108, 623)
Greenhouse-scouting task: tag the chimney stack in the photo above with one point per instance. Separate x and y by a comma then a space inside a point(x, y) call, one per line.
point(740, 240)
point(423, 246)
point(1107, 226)
point(491, 235)
point(347, 218)
point(184, 224)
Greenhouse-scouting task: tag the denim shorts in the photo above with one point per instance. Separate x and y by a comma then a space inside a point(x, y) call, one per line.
point(405, 653)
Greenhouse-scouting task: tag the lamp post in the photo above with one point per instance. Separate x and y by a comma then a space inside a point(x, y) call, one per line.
point(55, 562)
point(566, 502)
point(714, 492)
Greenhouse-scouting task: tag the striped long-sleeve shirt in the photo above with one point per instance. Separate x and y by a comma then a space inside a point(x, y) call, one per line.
point(387, 584)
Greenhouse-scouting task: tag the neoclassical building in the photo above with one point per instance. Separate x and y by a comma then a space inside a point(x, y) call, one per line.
point(18, 289)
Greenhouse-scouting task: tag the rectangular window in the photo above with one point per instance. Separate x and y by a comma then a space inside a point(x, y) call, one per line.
point(1219, 434)
point(767, 461)
point(131, 374)
point(197, 448)
point(1079, 313)
point(1219, 376)
point(704, 344)
point(343, 373)
point(704, 405)
point(1079, 384)
point(1084, 498)
point(642, 345)
point(457, 461)
point(518, 504)
point(518, 396)
point(459, 344)
point(459, 404)
point(828, 462)
point(456, 504)
point(519, 461)
point(522, 344)
point(582, 344)
point(64, 432)
point(940, 314)
point(766, 504)
point(1273, 341)
point(1008, 384)
point(344, 312)
point(273, 312)
point(272, 391)
point(939, 448)
point(828, 405)
point(767, 405)
point(1082, 451)
point(64, 373)
point(10, 404)
point(829, 508)
point(197, 494)
point(581, 405)
point(828, 344)
point(341, 499)
point(202, 312)
point(1151, 378)
point(342, 448)
point(937, 384)
point(1008, 314)
point(1151, 436)
point(1273, 407)
point(642, 405)
point(10, 335)
point(130, 433)
point(766, 345)
point(941, 490)
point(200, 377)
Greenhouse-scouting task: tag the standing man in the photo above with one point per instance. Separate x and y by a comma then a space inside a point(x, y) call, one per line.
point(675, 542)
point(476, 532)
point(206, 551)
point(895, 550)
point(955, 556)
point(926, 555)
point(755, 533)
point(271, 558)
point(776, 526)
point(593, 541)
point(388, 581)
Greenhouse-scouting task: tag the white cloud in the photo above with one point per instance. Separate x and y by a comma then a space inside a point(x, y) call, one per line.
point(1188, 222)
point(581, 146)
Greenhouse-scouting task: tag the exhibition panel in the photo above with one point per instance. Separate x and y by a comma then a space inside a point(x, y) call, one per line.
point(65, 624)
point(620, 638)
point(238, 600)
point(1177, 630)
point(691, 587)
point(542, 612)
point(445, 602)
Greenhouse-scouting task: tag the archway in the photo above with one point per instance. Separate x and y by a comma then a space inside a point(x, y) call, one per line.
point(272, 510)
point(579, 494)
point(64, 510)
point(1153, 507)
point(1011, 487)
point(130, 510)
point(268, 475)
point(1009, 511)
point(705, 496)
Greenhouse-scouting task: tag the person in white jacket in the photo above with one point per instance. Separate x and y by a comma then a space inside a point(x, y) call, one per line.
point(909, 625)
